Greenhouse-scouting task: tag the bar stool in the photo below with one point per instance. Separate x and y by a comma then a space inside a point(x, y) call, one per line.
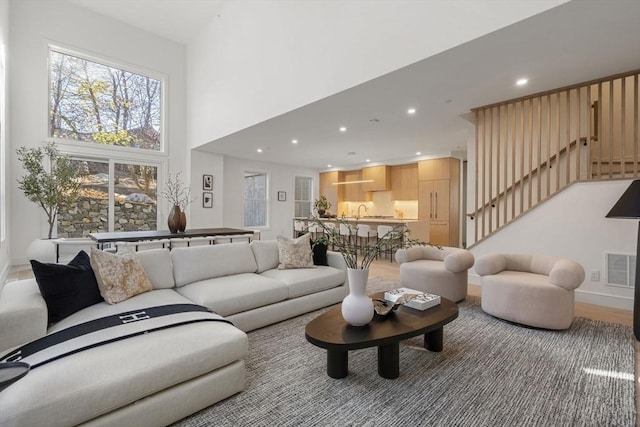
point(298, 228)
point(242, 238)
point(346, 233)
point(365, 233)
point(385, 233)
point(330, 229)
point(233, 238)
point(179, 242)
point(142, 245)
point(67, 248)
point(201, 241)
point(315, 230)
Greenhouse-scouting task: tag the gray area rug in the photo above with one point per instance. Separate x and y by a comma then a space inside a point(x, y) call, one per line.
point(490, 373)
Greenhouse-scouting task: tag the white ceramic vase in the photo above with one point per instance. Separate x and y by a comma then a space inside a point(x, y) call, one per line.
point(357, 307)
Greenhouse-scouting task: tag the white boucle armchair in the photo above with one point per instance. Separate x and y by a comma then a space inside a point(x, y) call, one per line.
point(438, 271)
point(533, 290)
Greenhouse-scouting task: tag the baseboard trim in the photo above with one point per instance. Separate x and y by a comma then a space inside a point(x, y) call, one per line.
point(606, 300)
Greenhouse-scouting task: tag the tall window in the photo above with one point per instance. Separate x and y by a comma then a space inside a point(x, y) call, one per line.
point(255, 199)
point(93, 102)
point(303, 196)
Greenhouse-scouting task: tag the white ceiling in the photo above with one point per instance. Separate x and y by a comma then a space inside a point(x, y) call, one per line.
point(575, 42)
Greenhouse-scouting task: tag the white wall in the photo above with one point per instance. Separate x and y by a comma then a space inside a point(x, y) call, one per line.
point(572, 224)
point(5, 169)
point(281, 178)
point(204, 163)
point(259, 59)
point(34, 23)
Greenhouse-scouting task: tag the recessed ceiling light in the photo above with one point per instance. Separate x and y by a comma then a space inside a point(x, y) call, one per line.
point(259, 150)
point(294, 141)
point(522, 82)
point(418, 153)
point(368, 160)
point(411, 111)
point(343, 129)
point(328, 166)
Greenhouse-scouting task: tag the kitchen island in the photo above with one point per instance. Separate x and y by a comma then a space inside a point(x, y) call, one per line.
point(418, 229)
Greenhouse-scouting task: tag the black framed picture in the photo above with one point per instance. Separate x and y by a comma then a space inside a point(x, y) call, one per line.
point(207, 182)
point(207, 200)
point(282, 196)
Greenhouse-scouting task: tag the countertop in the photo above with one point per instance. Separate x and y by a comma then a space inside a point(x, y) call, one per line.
point(368, 220)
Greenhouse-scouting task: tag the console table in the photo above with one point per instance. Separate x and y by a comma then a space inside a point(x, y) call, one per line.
point(136, 236)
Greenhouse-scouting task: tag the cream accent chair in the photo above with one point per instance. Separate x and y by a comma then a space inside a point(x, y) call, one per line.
point(533, 290)
point(437, 271)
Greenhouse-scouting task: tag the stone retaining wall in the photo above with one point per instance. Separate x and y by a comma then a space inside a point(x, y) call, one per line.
point(91, 216)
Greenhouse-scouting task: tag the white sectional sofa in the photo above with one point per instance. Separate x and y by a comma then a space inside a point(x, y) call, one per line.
point(156, 378)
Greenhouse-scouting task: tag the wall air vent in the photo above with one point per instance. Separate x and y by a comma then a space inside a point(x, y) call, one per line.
point(621, 269)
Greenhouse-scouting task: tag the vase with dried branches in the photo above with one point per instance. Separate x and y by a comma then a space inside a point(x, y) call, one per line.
point(179, 196)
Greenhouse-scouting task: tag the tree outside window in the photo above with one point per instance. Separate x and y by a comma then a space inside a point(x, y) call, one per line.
point(92, 102)
point(255, 199)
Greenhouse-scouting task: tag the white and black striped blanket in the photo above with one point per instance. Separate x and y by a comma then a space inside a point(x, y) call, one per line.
point(108, 329)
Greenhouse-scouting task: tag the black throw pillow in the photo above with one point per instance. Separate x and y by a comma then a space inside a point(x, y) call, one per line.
point(319, 253)
point(67, 288)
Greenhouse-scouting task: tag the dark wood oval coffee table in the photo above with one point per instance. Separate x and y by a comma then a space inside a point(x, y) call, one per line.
point(332, 332)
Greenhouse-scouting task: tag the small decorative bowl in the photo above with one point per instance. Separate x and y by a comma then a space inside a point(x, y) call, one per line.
point(384, 308)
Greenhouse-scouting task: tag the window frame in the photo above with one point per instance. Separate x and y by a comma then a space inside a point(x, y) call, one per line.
point(295, 198)
point(87, 150)
point(122, 65)
point(267, 205)
point(111, 162)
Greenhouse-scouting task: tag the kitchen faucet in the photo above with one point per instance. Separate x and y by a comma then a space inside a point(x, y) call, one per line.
point(361, 206)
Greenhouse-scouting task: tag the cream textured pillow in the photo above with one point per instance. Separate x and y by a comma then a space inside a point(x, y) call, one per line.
point(119, 277)
point(295, 253)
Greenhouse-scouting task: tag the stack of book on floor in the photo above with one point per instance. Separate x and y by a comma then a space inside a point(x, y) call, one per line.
point(417, 299)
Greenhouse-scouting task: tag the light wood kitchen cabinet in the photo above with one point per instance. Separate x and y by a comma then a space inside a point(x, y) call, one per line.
point(331, 191)
point(380, 177)
point(404, 182)
point(439, 202)
point(435, 169)
point(439, 233)
point(435, 195)
point(353, 192)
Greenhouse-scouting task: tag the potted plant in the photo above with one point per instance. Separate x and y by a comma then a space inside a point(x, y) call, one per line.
point(357, 307)
point(51, 180)
point(179, 196)
point(321, 205)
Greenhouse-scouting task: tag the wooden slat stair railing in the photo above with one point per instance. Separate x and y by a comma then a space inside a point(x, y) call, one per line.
point(530, 148)
point(530, 175)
